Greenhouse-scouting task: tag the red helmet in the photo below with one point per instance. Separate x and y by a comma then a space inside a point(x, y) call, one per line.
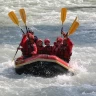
point(55, 43)
point(46, 40)
point(60, 39)
point(39, 40)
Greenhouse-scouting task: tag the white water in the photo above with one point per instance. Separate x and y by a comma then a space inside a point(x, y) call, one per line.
point(44, 18)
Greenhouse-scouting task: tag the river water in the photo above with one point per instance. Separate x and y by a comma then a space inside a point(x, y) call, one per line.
point(43, 17)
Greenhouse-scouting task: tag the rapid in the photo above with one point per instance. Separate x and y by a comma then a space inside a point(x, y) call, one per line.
point(43, 17)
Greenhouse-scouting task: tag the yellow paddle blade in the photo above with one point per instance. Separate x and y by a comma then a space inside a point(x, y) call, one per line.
point(23, 15)
point(74, 21)
point(73, 28)
point(13, 17)
point(63, 14)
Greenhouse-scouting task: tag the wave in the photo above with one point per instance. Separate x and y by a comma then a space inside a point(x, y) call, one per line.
point(80, 7)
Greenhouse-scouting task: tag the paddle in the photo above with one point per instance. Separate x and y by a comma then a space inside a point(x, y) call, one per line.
point(14, 18)
point(74, 21)
point(23, 16)
point(16, 52)
point(63, 16)
point(73, 28)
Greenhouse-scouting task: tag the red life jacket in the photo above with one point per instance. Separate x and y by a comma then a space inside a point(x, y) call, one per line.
point(54, 50)
point(40, 49)
point(27, 48)
point(65, 51)
point(48, 50)
point(34, 50)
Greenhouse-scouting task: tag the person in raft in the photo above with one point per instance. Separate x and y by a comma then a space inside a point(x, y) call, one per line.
point(40, 46)
point(48, 47)
point(57, 43)
point(65, 50)
point(32, 32)
point(28, 46)
point(54, 49)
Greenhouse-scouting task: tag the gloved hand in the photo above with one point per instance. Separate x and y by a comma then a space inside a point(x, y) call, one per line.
point(18, 48)
point(33, 53)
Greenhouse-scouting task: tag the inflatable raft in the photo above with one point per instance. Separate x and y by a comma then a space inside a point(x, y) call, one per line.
point(42, 65)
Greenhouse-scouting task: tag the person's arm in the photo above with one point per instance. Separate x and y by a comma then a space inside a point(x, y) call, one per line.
point(35, 49)
point(20, 48)
point(63, 33)
point(70, 44)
